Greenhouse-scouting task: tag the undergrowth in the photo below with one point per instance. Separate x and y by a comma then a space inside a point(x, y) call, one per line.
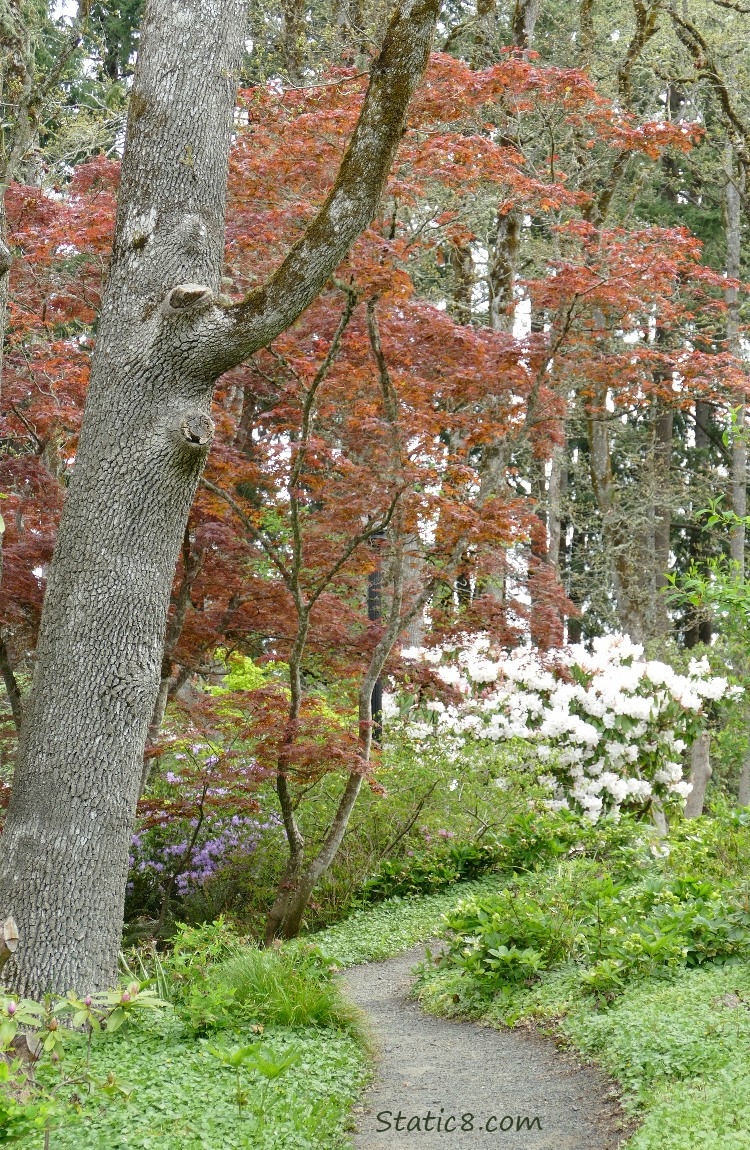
point(182, 1096)
point(647, 973)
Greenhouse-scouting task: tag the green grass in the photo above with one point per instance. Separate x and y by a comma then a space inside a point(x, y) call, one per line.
point(280, 991)
point(394, 926)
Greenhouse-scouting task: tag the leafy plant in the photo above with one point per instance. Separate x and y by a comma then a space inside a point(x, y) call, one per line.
point(264, 1062)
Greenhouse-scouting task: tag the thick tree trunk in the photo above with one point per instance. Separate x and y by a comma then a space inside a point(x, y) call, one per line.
point(145, 435)
point(700, 773)
point(161, 344)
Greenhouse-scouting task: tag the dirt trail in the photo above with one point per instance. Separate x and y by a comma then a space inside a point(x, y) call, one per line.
point(518, 1090)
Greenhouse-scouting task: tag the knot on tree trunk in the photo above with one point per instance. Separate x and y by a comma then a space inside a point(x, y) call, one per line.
point(6, 259)
point(187, 299)
point(8, 940)
point(196, 430)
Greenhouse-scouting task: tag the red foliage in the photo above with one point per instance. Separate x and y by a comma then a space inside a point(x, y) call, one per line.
point(393, 436)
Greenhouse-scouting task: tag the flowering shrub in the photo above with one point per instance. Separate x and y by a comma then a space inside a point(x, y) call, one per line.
point(609, 727)
point(194, 863)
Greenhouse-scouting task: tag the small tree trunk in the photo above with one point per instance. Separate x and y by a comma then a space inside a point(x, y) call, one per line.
point(700, 773)
point(617, 537)
point(297, 884)
point(735, 188)
point(743, 797)
point(663, 425)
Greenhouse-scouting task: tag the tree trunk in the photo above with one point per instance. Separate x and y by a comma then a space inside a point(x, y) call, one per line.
point(700, 773)
point(162, 343)
point(300, 877)
point(145, 436)
point(617, 539)
point(699, 628)
point(503, 262)
point(663, 425)
point(739, 434)
point(743, 797)
point(523, 22)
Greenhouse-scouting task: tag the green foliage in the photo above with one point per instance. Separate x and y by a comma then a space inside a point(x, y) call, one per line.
point(287, 988)
point(613, 931)
point(664, 951)
point(184, 1098)
point(716, 846)
point(280, 1028)
point(429, 871)
point(529, 841)
point(264, 1062)
point(193, 949)
point(184, 976)
point(39, 1092)
point(20, 1120)
point(393, 926)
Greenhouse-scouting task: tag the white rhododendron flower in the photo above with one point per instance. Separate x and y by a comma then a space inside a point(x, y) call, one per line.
point(608, 725)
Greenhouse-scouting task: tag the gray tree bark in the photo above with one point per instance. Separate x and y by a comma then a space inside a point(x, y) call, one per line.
point(617, 536)
point(162, 343)
point(662, 460)
point(743, 796)
point(700, 773)
point(735, 189)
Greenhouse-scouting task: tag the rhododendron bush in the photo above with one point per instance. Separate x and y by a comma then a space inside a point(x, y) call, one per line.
point(609, 726)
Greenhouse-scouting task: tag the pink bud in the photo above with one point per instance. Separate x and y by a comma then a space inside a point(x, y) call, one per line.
point(87, 1000)
point(133, 988)
point(11, 1008)
point(54, 1056)
point(125, 997)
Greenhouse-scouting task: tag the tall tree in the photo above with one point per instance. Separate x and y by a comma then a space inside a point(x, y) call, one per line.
point(163, 340)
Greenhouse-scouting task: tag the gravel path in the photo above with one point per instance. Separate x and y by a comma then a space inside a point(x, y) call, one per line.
point(455, 1085)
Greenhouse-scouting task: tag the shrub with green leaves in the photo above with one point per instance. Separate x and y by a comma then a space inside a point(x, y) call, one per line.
point(530, 840)
point(612, 931)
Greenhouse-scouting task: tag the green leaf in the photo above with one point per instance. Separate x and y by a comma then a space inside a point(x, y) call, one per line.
point(116, 1019)
point(7, 1031)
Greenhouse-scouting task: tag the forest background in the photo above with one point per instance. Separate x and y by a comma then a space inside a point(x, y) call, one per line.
point(517, 410)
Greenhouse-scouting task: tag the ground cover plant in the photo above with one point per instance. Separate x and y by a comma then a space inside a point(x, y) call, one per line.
point(644, 967)
point(248, 1048)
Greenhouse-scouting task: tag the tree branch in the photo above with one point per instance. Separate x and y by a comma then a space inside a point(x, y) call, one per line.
point(11, 684)
point(271, 551)
point(353, 200)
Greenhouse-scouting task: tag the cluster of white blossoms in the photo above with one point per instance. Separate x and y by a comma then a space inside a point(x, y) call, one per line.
point(609, 726)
